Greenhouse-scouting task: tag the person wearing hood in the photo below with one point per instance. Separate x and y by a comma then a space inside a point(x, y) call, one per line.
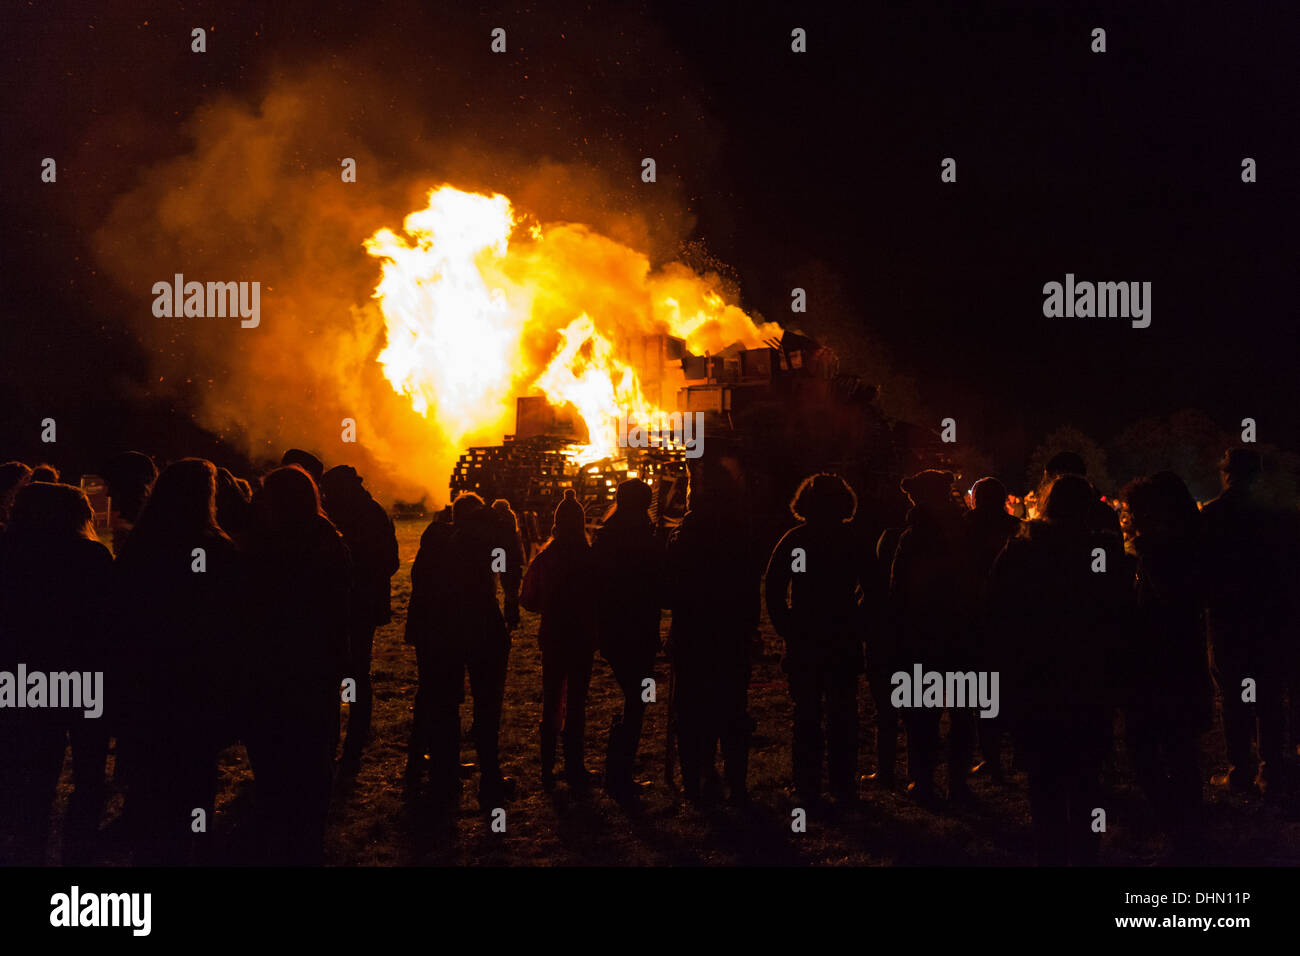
point(629, 559)
point(929, 590)
point(713, 577)
point(988, 527)
point(306, 461)
point(508, 522)
point(371, 538)
point(1169, 692)
point(180, 586)
point(54, 586)
point(557, 587)
point(302, 582)
point(1062, 596)
point(1248, 603)
point(454, 622)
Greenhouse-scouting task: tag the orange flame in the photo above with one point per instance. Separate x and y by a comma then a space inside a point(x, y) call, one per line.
point(479, 310)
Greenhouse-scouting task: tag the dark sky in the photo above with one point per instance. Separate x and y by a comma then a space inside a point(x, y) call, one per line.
point(1116, 166)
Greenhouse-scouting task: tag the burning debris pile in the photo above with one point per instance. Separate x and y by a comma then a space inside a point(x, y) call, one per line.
point(489, 314)
point(484, 309)
point(550, 449)
point(482, 305)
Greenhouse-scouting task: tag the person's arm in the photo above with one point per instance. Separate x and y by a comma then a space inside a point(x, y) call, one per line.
point(532, 593)
point(776, 585)
point(339, 589)
point(393, 561)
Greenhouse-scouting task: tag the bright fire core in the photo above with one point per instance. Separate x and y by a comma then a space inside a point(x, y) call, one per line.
point(481, 307)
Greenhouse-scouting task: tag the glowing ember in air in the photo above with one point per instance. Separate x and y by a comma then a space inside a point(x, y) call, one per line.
point(480, 310)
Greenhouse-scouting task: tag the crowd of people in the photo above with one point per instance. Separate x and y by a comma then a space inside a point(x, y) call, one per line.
point(238, 615)
point(221, 615)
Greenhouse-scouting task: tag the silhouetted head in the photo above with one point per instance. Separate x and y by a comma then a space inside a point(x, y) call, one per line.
point(183, 503)
point(824, 499)
point(633, 495)
point(570, 520)
point(13, 475)
point(288, 498)
point(1240, 467)
point(46, 473)
point(929, 489)
point(1065, 463)
point(466, 505)
point(717, 482)
point(501, 509)
point(990, 495)
point(1069, 503)
point(340, 483)
point(234, 501)
point(306, 461)
point(47, 509)
point(129, 477)
point(1161, 505)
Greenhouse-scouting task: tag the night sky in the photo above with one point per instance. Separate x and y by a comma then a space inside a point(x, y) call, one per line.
point(820, 170)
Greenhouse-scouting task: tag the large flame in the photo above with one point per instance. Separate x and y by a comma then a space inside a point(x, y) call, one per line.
point(481, 307)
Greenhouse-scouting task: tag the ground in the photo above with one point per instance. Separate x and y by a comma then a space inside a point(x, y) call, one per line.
point(371, 825)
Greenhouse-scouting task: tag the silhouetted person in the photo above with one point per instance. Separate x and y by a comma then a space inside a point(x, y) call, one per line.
point(46, 473)
point(629, 560)
point(557, 587)
point(1102, 516)
point(1247, 605)
point(179, 583)
point(13, 475)
point(53, 589)
point(884, 658)
point(129, 476)
point(988, 527)
point(234, 505)
point(459, 629)
point(509, 523)
point(814, 583)
point(436, 659)
point(1170, 696)
point(1063, 620)
point(930, 591)
point(301, 580)
point(306, 461)
point(714, 571)
point(372, 545)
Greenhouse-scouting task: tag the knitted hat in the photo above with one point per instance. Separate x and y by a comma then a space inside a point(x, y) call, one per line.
point(570, 519)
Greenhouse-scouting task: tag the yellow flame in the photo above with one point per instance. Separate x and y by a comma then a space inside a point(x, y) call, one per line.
point(585, 374)
point(475, 319)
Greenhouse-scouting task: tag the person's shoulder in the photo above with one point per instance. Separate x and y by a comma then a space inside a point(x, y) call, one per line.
point(95, 551)
point(376, 511)
point(793, 536)
point(1022, 545)
point(329, 535)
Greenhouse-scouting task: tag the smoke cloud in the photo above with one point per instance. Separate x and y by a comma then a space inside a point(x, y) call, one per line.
point(259, 197)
